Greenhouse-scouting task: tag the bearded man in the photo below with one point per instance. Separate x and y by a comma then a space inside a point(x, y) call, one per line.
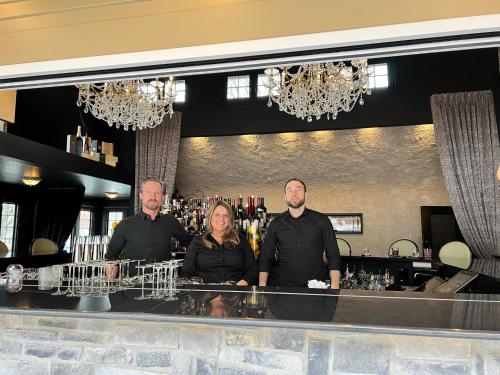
point(296, 241)
point(147, 235)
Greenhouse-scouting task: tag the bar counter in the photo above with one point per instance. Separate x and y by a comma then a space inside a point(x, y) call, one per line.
point(228, 330)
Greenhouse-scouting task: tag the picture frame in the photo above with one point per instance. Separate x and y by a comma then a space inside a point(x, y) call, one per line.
point(347, 223)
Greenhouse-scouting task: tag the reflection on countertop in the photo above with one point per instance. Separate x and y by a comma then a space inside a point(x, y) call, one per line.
point(327, 309)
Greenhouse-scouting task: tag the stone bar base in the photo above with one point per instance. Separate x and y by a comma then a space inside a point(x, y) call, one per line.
point(31, 344)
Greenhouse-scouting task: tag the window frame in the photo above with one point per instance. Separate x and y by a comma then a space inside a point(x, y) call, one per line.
point(12, 252)
point(389, 77)
point(185, 91)
point(75, 232)
point(239, 99)
point(76, 228)
point(107, 211)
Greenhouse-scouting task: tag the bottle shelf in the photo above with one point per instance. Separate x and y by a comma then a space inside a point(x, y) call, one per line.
point(19, 156)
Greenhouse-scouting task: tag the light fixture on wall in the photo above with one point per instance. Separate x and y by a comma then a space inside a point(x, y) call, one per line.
point(318, 89)
point(111, 194)
point(31, 180)
point(128, 104)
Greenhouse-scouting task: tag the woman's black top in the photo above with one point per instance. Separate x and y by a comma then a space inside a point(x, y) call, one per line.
point(220, 263)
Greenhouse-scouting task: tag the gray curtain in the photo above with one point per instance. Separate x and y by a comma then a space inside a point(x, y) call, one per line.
point(156, 152)
point(467, 140)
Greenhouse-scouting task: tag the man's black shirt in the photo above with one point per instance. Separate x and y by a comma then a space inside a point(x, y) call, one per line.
point(143, 238)
point(299, 244)
point(220, 263)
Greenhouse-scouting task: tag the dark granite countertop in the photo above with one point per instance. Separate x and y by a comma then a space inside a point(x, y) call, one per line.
point(430, 314)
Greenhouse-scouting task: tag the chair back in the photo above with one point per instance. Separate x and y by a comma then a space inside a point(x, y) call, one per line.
point(407, 248)
point(3, 249)
point(344, 247)
point(456, 254)
point(43, 246)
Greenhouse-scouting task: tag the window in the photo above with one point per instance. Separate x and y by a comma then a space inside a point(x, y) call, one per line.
point(113, 217)
point(262, 83)
point(151, 90)
point(179, 88)
point(379, 76)
point(85, 222)
point(180, 91)
point(67, 244)
point(238, 87)
point(8, 225)
point(263, 86)
point(83, 227)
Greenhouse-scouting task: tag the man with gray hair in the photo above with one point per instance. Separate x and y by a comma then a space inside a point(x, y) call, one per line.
point(147, 235)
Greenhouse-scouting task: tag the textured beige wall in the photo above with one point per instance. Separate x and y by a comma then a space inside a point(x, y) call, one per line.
point(38, 30)
point(385, 173)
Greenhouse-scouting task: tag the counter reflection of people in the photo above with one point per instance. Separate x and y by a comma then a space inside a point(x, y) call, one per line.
point(213, 304)
point(146, 235)
point(220, 254)
point(318, 306)
point(298, 238)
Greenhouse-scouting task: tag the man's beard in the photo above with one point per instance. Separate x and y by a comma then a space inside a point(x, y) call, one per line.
point(152, 205)
point(296, 205)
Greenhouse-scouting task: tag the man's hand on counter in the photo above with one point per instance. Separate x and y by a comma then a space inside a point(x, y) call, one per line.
point(263, 278)
point(334, 279)
point(111, 271)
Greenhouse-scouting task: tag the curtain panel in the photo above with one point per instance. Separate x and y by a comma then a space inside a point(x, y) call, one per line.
point(469, 151)
point(56, 211)
point(156, 152)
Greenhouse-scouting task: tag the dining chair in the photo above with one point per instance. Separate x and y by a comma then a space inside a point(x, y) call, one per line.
point(3, 249)
point(344, 247)
point(456, 254)
point(407, 248)
point(43, 246)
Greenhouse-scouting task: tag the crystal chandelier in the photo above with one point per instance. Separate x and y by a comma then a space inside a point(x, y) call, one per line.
point(316, 89)
point(130, 104)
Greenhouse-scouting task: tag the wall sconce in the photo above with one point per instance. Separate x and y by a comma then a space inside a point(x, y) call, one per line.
point(31, 181)
point(111, 194)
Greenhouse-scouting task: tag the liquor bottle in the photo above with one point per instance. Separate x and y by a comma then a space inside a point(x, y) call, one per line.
point(251, 207)
point(240, 214)
point(246, 220)
point(165, 207)
point(79, 141)
point(233, 207)
point(88, 145)
point(262, 211)
point(427, 251)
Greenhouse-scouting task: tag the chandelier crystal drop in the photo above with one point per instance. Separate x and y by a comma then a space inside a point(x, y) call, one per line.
point(317, 89)
point(128, 104)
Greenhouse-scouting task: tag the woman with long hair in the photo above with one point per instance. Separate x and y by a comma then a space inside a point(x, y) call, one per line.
point(220, 254)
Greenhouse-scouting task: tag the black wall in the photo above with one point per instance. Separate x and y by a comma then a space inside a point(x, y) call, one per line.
point(405, 102)
point(48, 115)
